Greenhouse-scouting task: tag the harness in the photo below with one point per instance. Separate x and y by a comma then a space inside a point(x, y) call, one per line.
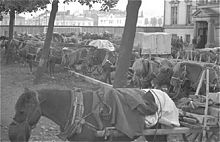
point(75, 117)
point(75, 114)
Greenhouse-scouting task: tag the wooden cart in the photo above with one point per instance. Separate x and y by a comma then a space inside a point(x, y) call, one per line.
point(187, 132)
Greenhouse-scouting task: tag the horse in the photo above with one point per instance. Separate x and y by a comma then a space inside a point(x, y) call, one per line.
point(84, 115)
point(55, 57)
point(189, 73)
point(164, 75)
point(145, 71)
point(72, 57)
point(102, 60)
point(26, 56)
point(3, 42)
point(10, 50)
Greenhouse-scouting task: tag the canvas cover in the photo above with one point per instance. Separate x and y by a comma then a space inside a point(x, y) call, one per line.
point(153, 43)
point(102, 44)
point(129, 109)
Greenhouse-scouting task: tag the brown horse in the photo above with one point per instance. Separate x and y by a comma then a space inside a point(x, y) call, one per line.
point(189, 73)
point(145, 71)
point(103, 61)
point(80, 114)
point(165, 74)
point(55, 57)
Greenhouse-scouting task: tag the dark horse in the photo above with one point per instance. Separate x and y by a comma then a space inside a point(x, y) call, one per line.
point(187, 74)
point(102, 60)
point(61, 105)
point(55, 57)
point(23, 52)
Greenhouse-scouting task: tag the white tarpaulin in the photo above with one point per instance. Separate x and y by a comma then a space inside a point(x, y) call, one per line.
point(153, 43)
point(167, 113)
point(102, 44)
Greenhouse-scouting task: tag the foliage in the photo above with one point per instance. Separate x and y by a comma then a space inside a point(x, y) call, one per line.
point(153, 21)
point(146, 21)
point(22, 5)
point(105, 4)
point(160, 21)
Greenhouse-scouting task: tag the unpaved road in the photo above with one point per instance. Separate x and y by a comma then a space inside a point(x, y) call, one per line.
point(13, 80)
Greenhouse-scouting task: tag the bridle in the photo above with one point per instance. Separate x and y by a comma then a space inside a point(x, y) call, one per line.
point(28, 117)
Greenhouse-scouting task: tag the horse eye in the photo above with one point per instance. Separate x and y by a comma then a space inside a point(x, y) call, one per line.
point(21, 112)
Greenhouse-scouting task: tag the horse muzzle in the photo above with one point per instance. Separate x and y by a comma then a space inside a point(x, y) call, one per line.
point(19, 131)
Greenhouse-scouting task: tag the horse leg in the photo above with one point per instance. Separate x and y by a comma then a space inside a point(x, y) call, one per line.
point(105, 77)
point(139, 83)
point(30, 66)
point(51, 68)
point(109, 77)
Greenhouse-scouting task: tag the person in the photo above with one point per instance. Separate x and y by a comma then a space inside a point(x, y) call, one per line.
point(181, 40)
point(181, 43)
point(199, 42)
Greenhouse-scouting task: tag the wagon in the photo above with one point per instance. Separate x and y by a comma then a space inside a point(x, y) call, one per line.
point(156, 44)
point(206, 130)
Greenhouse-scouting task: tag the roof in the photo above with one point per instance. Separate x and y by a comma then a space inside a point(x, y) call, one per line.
point(206, 12)
point(113, 15)
point(74, 18)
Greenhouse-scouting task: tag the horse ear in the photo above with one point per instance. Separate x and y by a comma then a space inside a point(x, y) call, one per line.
point(26, 90)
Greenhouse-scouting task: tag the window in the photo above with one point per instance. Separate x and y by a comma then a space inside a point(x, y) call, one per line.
point(188, 14)
point(174, 15)
point(187, 38)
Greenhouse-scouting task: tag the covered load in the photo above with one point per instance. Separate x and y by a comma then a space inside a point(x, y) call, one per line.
point(153, 43)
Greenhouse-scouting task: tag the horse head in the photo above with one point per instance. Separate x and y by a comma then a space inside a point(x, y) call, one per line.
point(179, 76)
point(163, 77)
point(27, 114)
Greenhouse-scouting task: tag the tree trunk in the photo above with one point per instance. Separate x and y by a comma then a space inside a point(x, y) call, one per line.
point(126, 46)
point(11, 30)
point(46, 49)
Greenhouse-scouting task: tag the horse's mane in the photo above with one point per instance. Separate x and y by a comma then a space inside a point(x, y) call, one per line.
point(23, 99)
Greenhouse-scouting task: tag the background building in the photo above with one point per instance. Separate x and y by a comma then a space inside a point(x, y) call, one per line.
point(192, 19)
point(63, 18)
point(19, 20)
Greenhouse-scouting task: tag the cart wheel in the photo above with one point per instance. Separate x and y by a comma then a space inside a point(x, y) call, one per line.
point(213, 137)
point(197, 137)
point(193, 137)
point(99, 70)
point(92, 69)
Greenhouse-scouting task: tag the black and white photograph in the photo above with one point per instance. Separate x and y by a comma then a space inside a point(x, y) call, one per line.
point(110, 70)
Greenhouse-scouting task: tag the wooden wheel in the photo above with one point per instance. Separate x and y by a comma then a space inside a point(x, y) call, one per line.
point(91, 69)
point(99, 69)
point(211, 136)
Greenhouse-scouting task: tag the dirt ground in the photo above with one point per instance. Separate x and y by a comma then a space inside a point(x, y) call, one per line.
point(13, 80)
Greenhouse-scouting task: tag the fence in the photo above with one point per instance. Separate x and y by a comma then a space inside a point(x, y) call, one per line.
point(32, 29)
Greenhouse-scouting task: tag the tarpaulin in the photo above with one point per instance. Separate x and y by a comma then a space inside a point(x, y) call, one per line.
point(153, 43)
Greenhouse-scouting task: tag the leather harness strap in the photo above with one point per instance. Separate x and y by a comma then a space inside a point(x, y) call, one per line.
point(75, 114)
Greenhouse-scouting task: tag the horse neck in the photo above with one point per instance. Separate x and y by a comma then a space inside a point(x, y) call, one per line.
point(56, 107)
point(193, 73)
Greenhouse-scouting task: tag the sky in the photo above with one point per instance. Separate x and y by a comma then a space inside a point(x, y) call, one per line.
point(151, 8)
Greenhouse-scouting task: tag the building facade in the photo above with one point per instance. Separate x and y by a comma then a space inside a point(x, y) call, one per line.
point(63, 18)
point(193, 20)
point(113, 17)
